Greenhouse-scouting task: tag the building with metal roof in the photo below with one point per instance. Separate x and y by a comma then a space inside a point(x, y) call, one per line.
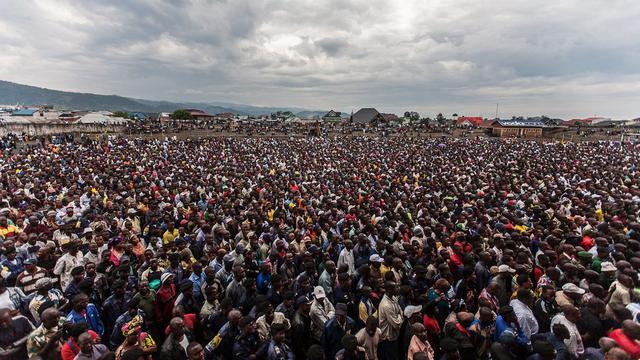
point(24, 112)
point(367, 116)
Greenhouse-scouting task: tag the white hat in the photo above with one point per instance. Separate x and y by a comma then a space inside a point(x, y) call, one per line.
point(375, 258)
point(318, 292)
point(607, 266)
point(572, 288)
point(411, 309)
point(505, 268)
point(164, 277)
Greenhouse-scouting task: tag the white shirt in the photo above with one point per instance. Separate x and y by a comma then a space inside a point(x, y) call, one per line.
point(574, 342)
point(525, 316)
point(346, 258)
point(64, 265)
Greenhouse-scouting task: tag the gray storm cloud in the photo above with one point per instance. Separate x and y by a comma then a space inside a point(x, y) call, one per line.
point(566, 58)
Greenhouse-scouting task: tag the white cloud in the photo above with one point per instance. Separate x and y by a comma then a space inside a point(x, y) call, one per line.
point(563, 58)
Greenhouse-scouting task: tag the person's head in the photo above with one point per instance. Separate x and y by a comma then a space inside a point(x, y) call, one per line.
point(133, 353)
point(420, 331)
point(597, 306)
point(5, 318)
point(508, 314)
point(341, 312)
point(548, 292)
point(625, 280)
point(371, 325)
point(238, 272)
point(247, 325)
point(631, 329)
point(526, 296)
point(616, 353)
point(450, 347)
point(442, 285)
point(195, 351)
point(391, 288)
point(278, 332)
point(177, 327)
point(544, 349)
point(85, 342)
point(349, 343)
point(420, 355)
point(560, 331)
point(571, 313)
point(77, 273)
point(234, 316)
point(80, 302)
point(315, 352)
point(50, 317)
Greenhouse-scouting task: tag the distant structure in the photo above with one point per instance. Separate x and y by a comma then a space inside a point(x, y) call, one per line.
point(24, 112)
point(390, 117)
point(517, 128)
point(469, 121)
point(332, 116)
point(367, 116)
point(199, 115)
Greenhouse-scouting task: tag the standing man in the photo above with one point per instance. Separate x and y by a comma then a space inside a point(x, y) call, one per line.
point(569, 317)
point(390, 315)
point(88, 349)
point(278, 349)
point(69, 260)
point(44, 341)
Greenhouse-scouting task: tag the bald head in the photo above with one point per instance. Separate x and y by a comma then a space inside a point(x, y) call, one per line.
point(417, 327)
point(631, 329)
point(234, 316)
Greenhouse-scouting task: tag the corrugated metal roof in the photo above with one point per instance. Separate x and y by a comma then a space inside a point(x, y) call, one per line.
point(521, 123)
point(25, 112)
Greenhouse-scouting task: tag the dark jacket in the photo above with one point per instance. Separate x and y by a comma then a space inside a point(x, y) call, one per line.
point(246, 345)
point(172, 350)
point(331, 339)
point(544, 310)
point(301, 335)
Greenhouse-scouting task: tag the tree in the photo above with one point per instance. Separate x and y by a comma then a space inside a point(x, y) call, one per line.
point(180, 114)
point(455, 115)
point(412, 116)
point(440, 119)
point(122, 114)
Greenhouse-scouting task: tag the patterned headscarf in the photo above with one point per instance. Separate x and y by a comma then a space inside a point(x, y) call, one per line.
point(132, 326)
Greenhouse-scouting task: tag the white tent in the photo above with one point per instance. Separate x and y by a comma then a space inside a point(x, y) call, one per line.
point(97, 118)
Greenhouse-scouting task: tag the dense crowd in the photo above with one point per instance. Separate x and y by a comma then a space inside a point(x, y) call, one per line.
point(351, 248)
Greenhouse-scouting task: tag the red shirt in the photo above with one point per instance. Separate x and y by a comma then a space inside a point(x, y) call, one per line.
point(70, 348)
point(627, 344)
point(189, 323)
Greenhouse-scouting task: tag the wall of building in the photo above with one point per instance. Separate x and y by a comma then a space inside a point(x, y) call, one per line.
point(526, 132)
point(57, 128)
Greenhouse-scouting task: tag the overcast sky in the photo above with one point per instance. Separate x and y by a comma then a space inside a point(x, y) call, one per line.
point(565, 58)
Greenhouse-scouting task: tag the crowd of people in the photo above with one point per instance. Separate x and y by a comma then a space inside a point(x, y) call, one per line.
point(315, 248)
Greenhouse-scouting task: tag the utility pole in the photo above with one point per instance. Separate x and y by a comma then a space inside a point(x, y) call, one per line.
point(497, 110)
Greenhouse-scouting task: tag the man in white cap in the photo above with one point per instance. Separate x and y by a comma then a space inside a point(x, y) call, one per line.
point(46, 292)
point(321, 311)
point(570, 294)
point(505, 280)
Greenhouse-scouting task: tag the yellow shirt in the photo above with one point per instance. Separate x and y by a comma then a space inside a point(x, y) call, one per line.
point(10, 230)
point(168, 236)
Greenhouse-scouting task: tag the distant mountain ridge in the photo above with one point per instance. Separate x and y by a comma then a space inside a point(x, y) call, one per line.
point(13, 93)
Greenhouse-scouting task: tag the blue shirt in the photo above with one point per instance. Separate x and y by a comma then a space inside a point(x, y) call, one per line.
point(197, 281)
point(91, 317)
